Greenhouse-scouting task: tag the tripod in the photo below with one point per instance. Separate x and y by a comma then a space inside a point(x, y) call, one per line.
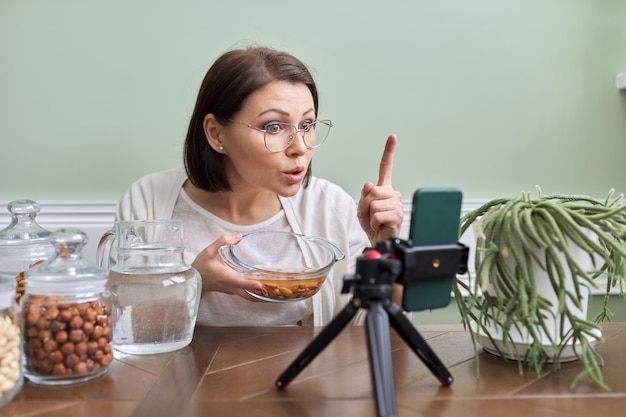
point(372, 289)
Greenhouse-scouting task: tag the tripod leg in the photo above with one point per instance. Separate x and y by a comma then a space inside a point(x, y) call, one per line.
point(416, 342)
point(379, 345)
point(317, 345)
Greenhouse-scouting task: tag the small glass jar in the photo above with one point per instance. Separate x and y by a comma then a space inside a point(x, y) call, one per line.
point(66, 316)
point(11, 377)
point(23, 243)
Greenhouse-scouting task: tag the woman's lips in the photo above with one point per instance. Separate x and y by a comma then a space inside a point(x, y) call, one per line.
point(295, 175)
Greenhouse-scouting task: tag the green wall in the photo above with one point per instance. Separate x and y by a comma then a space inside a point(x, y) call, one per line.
point(491, 96)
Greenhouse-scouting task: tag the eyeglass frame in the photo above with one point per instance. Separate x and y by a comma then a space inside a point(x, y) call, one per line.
point(327, 122)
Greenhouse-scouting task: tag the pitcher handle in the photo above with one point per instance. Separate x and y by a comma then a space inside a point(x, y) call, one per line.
point(103, 253)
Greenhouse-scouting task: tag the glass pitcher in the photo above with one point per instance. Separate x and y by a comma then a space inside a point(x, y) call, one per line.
point(155, 294)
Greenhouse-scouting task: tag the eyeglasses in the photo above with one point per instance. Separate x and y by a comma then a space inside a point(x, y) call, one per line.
point(278, 136)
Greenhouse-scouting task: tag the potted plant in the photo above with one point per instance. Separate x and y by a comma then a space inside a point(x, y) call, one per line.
point(536, 259)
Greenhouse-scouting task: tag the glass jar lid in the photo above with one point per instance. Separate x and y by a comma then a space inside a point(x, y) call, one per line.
point(23, 227)
point(23, 242)
point(67, 272)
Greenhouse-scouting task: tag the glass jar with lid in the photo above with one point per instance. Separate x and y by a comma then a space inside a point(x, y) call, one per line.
point(11, 377)
point(66, 316)
point(23, 243)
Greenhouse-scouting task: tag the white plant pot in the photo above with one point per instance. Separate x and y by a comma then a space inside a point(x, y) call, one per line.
point(520, 337)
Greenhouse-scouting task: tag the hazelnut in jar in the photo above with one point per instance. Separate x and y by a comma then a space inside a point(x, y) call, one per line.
point(66, 316)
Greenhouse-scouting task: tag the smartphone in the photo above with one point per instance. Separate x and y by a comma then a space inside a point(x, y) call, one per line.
point(435, 220)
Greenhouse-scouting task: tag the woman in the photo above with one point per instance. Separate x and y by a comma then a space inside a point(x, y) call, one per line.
point(247, 167)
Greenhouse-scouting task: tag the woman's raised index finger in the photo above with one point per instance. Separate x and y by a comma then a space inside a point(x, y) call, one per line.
point(386, 162)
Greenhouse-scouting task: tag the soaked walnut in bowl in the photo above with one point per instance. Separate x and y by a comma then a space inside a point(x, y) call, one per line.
point(288, 288)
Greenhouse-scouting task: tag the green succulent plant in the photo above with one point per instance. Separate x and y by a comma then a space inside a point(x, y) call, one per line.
point(515, 237)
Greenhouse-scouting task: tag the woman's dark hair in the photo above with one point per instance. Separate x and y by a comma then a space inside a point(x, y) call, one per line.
point(230, 80)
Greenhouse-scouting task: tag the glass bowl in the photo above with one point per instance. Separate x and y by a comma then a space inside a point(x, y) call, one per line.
point(291, 266)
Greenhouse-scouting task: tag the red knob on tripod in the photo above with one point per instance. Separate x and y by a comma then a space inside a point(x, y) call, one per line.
point(372, 254)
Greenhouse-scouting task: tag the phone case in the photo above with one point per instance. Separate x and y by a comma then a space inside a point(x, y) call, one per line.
point(435, 220)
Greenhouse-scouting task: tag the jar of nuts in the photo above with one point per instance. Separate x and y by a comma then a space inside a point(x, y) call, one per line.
point(66, 316)
point(23, 243)
point(11, 377)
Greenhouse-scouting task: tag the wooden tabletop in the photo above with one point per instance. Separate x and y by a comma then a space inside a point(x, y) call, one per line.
point(231, 372)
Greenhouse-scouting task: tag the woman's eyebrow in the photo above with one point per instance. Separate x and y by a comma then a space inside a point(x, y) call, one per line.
point(273, 110)
point(284, 113)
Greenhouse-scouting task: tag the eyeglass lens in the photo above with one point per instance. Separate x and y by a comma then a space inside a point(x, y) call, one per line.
point(313, 137)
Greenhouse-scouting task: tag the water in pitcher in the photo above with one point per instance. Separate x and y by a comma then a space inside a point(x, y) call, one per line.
point(153, 312)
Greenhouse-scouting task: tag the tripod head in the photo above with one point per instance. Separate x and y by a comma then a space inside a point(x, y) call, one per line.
point(398, 261)
point(427, 261)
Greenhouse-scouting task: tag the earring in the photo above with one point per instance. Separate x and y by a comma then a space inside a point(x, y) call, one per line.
point(221, 148)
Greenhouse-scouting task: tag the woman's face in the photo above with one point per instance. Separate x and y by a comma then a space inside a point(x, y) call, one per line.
point(249, 164)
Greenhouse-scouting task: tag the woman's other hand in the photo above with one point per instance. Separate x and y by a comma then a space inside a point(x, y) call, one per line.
point(218, 277)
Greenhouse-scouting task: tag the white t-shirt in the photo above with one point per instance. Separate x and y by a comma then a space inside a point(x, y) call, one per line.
point(219, 309)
